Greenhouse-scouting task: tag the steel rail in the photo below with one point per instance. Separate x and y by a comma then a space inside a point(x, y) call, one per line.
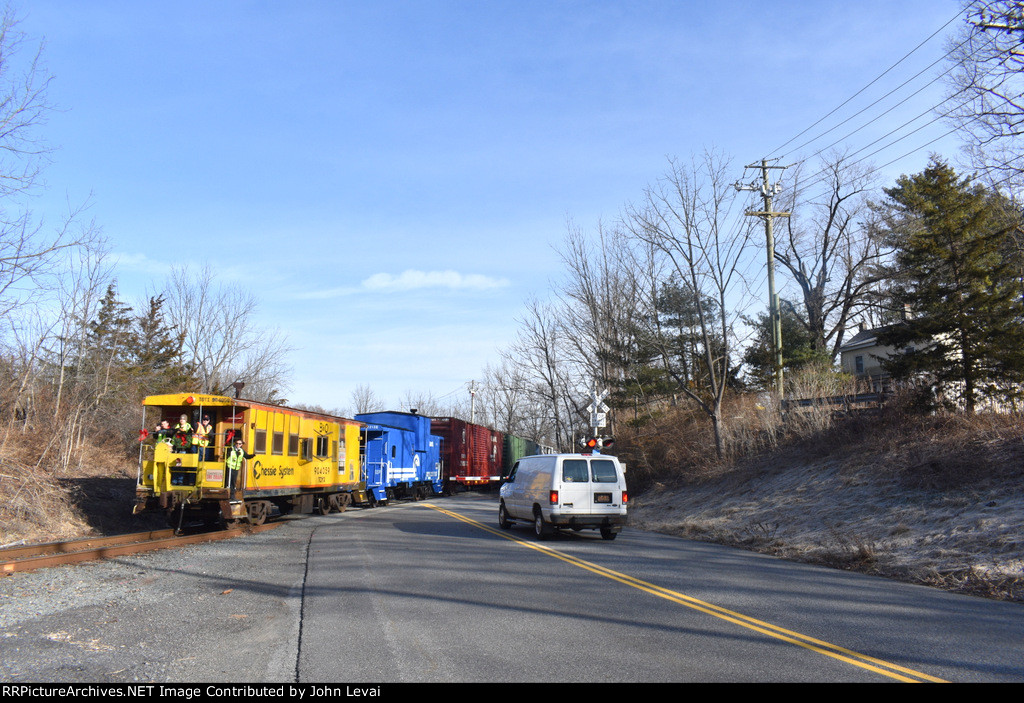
point(38, 556)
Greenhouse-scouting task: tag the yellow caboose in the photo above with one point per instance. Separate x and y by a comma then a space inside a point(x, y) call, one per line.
point(290, 460)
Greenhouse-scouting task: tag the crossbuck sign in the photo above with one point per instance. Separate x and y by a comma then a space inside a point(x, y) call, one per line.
point(598, 410)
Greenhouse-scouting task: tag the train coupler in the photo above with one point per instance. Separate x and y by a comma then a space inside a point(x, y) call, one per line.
point(233, 509)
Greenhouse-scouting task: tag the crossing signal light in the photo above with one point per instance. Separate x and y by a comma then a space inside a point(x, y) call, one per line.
point(597, 443)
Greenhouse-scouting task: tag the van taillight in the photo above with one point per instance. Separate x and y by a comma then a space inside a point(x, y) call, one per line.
point(553, 498)
point(625, 497)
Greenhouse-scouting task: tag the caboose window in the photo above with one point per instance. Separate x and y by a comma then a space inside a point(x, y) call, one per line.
point(293, 445)
point(260, 442)
point(321, 446)
point(278, 445)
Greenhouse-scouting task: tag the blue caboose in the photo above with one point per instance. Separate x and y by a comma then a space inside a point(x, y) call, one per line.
point(401, 459)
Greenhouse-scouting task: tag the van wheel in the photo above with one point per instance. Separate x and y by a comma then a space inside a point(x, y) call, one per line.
point(540, 528)
point(503, 521)
point(608, 533)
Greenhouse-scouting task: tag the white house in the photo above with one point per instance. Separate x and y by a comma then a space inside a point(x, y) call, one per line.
point(862, 357)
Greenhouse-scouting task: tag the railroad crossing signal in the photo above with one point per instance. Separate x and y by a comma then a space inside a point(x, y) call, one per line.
point(596, 444)
point(598, 410)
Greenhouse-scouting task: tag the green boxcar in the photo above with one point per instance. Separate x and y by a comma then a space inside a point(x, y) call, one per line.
point(516, 447)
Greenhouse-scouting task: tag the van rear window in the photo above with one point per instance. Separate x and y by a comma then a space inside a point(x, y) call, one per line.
point(574, 471)
point(603, 471)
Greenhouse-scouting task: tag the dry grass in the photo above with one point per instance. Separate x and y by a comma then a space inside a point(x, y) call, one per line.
point(38, 501)
point(34, 508)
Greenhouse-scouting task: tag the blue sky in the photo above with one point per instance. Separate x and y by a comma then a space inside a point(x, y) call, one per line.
point(390, 178)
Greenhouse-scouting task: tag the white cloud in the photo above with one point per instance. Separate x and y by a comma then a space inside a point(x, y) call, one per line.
point(409, 280)
point(142, 263)
point(412, 280)
point(325, 294)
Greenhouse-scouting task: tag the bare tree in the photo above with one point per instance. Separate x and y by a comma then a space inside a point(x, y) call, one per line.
point(687, 218)
point(540, 354)
point(829, 249)
point(424, 403)
point(48, 274)
point(364, 400)
point(506, 399)
point(24, 106)
point(314, 408)
point(86, 274)
point(222, 342)
point(986, 89)
point(31, 250)
point(603, 304)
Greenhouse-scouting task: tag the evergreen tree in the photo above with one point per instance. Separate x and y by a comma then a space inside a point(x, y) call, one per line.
point(664, 352)
point(109, 333)
point(682, 341)
point(156, 352)
point(798, 347)
point(107, 346)
point(643, 378)
point(960, 287)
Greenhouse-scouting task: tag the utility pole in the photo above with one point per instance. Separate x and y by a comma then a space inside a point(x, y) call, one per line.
point(768, 190)
point(472, 402)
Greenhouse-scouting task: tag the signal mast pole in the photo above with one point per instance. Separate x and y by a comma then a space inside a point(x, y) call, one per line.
point(768, 190)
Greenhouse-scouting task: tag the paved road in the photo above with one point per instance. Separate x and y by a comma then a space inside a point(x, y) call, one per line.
point(434, 591)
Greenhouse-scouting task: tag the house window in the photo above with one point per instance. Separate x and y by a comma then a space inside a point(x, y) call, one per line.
point(859, 362)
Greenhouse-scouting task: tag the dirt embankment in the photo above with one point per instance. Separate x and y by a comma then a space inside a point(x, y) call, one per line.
point(945, 515)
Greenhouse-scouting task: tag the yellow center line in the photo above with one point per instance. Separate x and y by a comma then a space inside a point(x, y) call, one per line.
point(863, 661)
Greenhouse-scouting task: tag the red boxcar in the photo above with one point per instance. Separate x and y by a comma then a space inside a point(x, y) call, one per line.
point(470, 454)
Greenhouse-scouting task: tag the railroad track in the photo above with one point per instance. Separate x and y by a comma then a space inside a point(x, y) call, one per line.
point(38, 556)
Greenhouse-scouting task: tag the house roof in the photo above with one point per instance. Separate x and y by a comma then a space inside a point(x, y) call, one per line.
point(864, 339)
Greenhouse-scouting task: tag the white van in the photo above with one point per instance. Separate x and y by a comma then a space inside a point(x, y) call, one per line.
point(574, 491)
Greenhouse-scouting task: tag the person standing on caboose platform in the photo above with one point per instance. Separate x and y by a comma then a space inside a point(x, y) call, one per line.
point(183, 435)
point(163, 432)
point(201, 438)
point(234, 461)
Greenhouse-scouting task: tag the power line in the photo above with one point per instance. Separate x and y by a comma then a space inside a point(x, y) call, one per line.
point(875, 80)
point(879, 116)
point(820, 176)
point(949, 111)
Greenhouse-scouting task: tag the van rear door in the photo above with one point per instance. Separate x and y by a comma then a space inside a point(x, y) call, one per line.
point(606, 486)
point(574, 487)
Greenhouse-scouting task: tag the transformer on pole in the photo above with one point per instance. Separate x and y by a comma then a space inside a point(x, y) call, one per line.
point(768, 190)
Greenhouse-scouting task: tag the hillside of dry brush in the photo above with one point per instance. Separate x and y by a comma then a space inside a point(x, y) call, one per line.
point(933, 499)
